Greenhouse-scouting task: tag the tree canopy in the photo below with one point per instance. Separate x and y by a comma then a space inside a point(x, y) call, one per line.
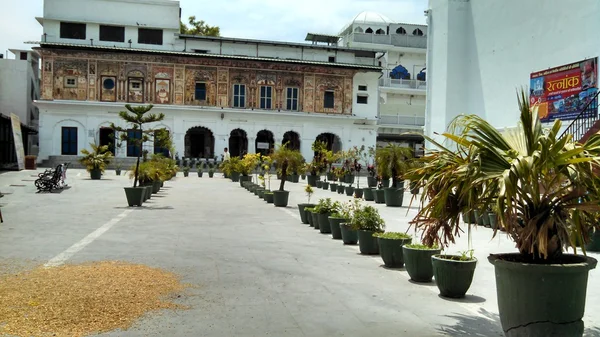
point(199, 27)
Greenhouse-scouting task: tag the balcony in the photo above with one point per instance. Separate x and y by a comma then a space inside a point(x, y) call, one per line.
point(408, 41)
point(403, 84)
point(413, 122)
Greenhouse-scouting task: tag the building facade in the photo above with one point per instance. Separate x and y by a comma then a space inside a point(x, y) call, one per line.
point(248, 95)
point(402, 86)
point(477, 59)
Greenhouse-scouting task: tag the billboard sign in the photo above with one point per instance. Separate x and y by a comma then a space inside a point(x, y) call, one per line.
point(563, 92)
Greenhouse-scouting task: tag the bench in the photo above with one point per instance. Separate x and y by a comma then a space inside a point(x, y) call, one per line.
point(52, 179)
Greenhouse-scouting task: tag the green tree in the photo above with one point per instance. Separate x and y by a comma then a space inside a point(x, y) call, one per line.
point(137, 117)
point(198, 27)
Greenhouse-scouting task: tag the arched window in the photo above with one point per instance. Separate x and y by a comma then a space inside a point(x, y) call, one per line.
point(418, 32)
point(358, 30)
point(380, 31)
point(401, 31)
point(369, 31)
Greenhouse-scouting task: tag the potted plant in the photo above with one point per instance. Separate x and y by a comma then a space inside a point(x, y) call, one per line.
point(319, 148)
point(366, 221)
point(544, 188)
point(390, 248)
point(360, 153)
point(324, 209)
point(137, 117)
point(395, 158)
point(349, 234)
point(330, 159)
point(186, 171)
point(340, 215)
point(200, 166)
point(309, 192)
point(417, 259)
point(97, 160)
point(382, 168)
point(211, 170)
point(372, 172)
point(340, 174)
point(454, 273)
point(287, 160)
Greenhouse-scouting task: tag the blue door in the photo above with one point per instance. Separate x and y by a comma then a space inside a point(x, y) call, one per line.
point(134, 143)
point(69, 141)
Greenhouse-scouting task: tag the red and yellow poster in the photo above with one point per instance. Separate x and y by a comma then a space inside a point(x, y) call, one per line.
point(563, 92)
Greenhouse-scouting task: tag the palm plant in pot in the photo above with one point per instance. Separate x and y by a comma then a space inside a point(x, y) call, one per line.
point(395, 158)
point(97, 160)
point(390, 247)
point(545, 190)
point(366, 221)
point(287, 161)
point(309, 192)
point(135, 135)
point(201, 166)
point(118, 145)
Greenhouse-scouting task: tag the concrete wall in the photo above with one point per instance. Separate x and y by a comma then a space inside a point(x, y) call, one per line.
point(480, 52)
point(368, 110)
point(56, 115)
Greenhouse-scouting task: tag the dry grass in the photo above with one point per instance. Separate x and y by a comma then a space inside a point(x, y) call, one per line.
point(78, 300)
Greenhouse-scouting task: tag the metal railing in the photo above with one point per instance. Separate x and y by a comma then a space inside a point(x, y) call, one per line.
point(406, 84)
point(584, 121)
point(401, 120)
point(409, 41)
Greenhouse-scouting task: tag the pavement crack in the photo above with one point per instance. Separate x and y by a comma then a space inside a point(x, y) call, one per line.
point(538, 322)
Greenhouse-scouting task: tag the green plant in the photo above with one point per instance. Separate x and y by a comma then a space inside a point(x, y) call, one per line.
point(392, 235)
point(422, 246)
point(97, 159)
point(466, 255)
point(326, 206)
point(266, 165)
point(367, 218)
point(287, 161)
point(544, 186)
point(186, 169)
point(118, 145)
point(309, 192)
point(393, 159)
point(319, 161)
point(137, 117)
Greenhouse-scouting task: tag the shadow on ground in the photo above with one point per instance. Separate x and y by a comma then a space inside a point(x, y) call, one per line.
point(474, 326)
point(487, 326)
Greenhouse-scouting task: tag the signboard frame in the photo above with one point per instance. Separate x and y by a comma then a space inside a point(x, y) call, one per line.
point(562, 92)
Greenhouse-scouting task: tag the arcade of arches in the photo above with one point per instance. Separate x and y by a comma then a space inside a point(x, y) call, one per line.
point(200, 142)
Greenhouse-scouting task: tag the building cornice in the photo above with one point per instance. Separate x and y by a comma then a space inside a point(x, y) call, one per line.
point(114, 107)
point(58, 45)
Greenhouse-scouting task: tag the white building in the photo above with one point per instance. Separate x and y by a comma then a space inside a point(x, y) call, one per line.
point(19, 87)
point(402, 87)
point(480, 52)
point(99, 55)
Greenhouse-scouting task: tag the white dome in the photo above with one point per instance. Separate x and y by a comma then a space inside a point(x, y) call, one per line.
point(371, 18)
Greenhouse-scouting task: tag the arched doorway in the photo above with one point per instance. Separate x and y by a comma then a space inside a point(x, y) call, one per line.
point(199, 143)
point(334, 143)
point(238, 143)
point(293, 140)
point(264, 142)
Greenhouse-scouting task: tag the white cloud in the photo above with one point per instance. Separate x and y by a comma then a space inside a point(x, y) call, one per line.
point(259, 19)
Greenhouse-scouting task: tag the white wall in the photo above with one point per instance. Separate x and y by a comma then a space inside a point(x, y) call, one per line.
point(369, 110)
point(482, 51)
point(15, 88)
point(149, 13)
point(54, 115)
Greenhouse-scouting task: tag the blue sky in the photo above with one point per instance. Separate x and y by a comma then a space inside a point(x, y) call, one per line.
point(283, 20)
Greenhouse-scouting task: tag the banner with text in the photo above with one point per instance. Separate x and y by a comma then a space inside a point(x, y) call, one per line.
point(563, 92)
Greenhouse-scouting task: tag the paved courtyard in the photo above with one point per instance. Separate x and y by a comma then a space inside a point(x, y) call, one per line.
point(256, 269)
